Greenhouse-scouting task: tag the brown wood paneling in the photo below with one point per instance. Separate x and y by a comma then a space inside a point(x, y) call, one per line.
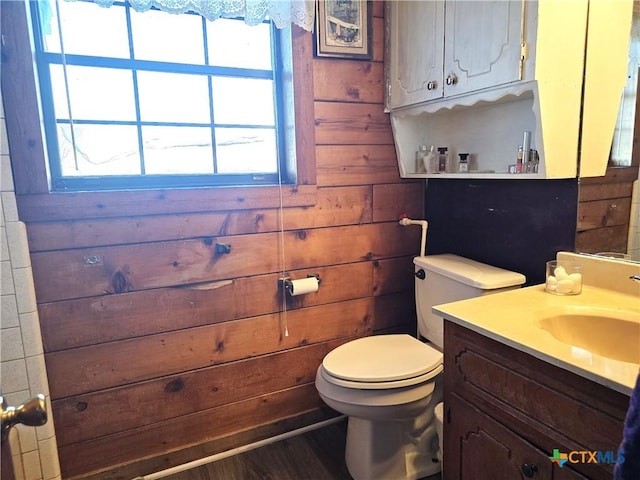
point(393, 200)
point(604, 213)
point(78, 419)
point(96, 367)
point(604, 208)
point(72, 206)
point(334, 206)
point(19, 96)
point(601, 191)
point(395, 311)
point(68, 274)
point(106, 365)
point(87, 321)
point(348, 81)
point(120, 448)
point(351, 124)
point(378, 8)
point(378, 39)
point(613, 175)
point(302, 65)
point(611, 239)
point(394, 275)
point(357, 165)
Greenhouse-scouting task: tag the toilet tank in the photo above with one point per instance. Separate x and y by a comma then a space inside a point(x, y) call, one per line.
point(449, 278)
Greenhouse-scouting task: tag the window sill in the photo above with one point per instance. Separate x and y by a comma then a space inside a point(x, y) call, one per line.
point(75, 205)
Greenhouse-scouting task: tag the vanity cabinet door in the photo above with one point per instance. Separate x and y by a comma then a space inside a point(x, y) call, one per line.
point(416, 46)
point(482, 45)
point(479, 448)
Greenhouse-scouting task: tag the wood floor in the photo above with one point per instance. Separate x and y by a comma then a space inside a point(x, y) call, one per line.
point(315, 455)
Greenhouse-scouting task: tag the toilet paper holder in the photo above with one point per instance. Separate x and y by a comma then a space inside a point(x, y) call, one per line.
point(287, 282)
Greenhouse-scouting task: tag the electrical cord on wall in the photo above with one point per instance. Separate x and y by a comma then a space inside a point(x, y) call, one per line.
point(284, 328)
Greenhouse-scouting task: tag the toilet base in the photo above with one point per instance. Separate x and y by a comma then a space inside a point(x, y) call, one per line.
point(391, 450)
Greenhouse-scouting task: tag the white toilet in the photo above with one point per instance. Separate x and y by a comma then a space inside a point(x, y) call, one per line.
point(390, 385)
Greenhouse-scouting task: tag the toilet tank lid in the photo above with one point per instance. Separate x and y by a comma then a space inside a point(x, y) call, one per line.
point(470, 272)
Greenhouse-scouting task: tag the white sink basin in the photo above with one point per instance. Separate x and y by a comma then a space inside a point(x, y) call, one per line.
point(609, 333)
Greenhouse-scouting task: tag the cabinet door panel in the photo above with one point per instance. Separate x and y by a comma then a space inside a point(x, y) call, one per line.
point(482, 44)
point(479, 448)
point(416, 33)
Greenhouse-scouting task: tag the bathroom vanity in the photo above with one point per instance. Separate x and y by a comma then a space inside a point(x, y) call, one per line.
point(530, 376)
point(506, 412)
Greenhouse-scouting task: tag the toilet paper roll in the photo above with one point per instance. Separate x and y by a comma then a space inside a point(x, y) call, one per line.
point(303, 285)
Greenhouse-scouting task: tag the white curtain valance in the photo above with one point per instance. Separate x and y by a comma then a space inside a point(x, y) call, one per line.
point(282, 12)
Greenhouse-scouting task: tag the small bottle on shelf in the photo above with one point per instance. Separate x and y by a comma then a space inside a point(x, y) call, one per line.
point(463, 165)
point(431, 160)
point(420, 154)
point(519, 168)
point(442, 160)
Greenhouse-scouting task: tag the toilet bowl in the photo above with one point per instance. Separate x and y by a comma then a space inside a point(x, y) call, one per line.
point(388, 386)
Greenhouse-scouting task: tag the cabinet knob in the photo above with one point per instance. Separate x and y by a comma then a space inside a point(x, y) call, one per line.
point(420, 274)
point(529, 470)
point(432, 85)
point(452, 79)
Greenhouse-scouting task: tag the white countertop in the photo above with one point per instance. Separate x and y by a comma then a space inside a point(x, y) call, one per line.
point(513, 318)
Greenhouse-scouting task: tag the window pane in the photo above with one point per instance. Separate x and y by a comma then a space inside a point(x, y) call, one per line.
point(243, 101)
point(173, 97)
point(85, 28)
point(246, 150)
point(232, 43)
point(96, 93)
point(177, 150)
point(164, 37)
point(100, 150)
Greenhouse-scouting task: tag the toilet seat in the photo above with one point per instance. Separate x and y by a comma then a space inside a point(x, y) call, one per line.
point(381, 362)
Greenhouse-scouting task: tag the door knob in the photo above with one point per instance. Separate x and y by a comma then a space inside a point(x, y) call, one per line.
point(432, 85)
point(452, 79)
point(32, 413)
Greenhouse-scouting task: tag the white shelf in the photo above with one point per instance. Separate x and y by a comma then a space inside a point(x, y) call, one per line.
point(488, 125)
point(472, 175)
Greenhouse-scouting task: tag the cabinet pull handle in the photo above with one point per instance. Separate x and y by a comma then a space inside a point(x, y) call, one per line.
point(529, 470)
point(432, 85)
point(452, 79)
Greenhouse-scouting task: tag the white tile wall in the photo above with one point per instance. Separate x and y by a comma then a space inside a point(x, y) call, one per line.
point(22, 368)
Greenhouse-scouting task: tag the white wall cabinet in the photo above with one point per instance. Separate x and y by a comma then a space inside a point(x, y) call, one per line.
point(442, 49)
point(554, 68)
point(416, 52)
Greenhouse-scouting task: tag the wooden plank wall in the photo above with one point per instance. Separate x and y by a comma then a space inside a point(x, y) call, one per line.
point(160, 350)
point(604, 207)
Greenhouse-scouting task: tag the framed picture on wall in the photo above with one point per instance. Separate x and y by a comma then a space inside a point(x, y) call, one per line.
point(344, 29)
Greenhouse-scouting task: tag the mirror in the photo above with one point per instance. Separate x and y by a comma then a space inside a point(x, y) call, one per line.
point(606, 205)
